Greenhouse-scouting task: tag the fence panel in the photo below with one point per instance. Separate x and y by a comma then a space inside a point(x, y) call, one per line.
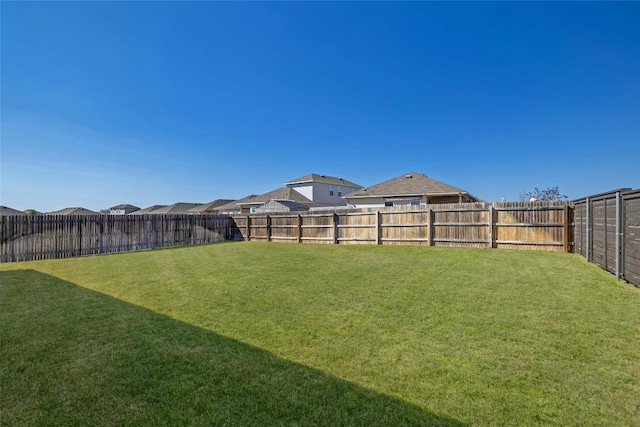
point(607, 232)
point(356, 228)
point(317, 228)
point(541, 226)
point(36, 237)
point(405, 227)
point(537, 226)
point(631, 233)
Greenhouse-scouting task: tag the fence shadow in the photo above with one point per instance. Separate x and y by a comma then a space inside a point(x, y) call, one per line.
point(72, 356)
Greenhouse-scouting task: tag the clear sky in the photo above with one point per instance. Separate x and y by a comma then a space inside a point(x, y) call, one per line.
point(162, 102)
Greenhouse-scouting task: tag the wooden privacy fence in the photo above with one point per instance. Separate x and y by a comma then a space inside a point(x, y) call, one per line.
point(542, 226)
point(607, 232)
point(35, 237)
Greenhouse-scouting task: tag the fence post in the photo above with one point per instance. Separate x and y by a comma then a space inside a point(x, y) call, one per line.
point(268, 228)
point(378, 227)
point(248, 233)
point(587, 245)
point(335, 228)
point(492, 212)
point(299, 228)
point(430, 220)
point(565, 231)
point(618, 228)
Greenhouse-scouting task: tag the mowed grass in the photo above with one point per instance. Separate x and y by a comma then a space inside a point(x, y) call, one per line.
point(289, 334)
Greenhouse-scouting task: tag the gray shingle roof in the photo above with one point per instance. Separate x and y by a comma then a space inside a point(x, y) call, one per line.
point(124, 206)
point(214, 205)
point(73, 211)
point(314, 177)
point(176, 208)
point(283, 205)
point(147, 210)
point(409, 184)
point(5, 210)
point(284, 193)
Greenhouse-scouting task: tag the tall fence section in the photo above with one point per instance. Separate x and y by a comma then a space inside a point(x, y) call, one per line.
point(539, 226)
point(604, 228)
point(607, 232)
point(25, 237)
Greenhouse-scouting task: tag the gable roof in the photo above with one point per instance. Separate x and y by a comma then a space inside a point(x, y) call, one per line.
point(147, 210)
point(5, 210)
point(314, 177)
point(124, 206)
point(409, 184)
point(73, 211)
point(214, 205)
point(277, 205)
point(284, 193)
point(232, 206)
point(176, 208)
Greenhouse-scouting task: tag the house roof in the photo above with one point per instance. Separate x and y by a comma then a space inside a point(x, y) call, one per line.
point(284, 193)
point(314, 177)
point(214, 205)
point(147, 210)
point(409, 184)
point(5, 210)
point(73, 211)
point(233, 206)
point(176, 208)
point(292, 205)
point(125, 206)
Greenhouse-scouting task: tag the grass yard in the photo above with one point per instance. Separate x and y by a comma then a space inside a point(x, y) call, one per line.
point(265, 334)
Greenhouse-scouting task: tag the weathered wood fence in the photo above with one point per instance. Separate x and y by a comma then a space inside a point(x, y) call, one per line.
point(542, 226)
point(607, 232)
point(24, 238)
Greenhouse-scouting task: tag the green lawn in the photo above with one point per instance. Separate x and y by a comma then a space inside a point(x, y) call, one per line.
point(288, 334)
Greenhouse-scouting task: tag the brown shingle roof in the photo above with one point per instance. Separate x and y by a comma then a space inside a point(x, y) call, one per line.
point(409, 184)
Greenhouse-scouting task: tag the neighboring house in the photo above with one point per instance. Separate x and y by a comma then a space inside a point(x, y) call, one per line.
point(147, 210)
point(323, 190)
point(174, 209)
point(73, 211)
point(210, 208)
point(312, 190)
point(250, 203)
point(232, 208)
point(4, 211)
point(282, 206)
point(409, 189)
point(122, 209)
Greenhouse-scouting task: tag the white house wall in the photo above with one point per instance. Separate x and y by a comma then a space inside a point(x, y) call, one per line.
point(318, 193)
point(305, 189)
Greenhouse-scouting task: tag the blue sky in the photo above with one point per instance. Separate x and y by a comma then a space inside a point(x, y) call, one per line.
point(160, 102)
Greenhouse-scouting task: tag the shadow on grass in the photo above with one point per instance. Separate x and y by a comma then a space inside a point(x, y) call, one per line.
point(72, 356)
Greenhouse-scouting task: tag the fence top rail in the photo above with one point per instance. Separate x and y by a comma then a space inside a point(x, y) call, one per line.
point(631, 194)
point(532, 208)
point(606, 195)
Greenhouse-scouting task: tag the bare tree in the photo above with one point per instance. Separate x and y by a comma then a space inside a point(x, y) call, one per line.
point(548, 194)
